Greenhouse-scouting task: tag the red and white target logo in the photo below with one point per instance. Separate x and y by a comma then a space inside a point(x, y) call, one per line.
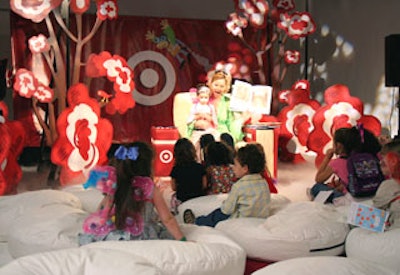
point(166, 156)
point(154, 77)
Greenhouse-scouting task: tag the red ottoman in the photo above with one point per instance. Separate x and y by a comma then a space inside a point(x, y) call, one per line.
point(163, 140)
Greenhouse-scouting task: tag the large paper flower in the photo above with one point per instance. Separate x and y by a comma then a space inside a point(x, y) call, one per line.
point(79, 6)
point(284, 5)
point(236, 24)
point(117, 70)
point(35, 10)
point(44, 94)
point(297, 123)
point(84, 137)
point(297, 24)
point(27, 86)
point(25, 83)
point(38, 44)
point(292, 57)
point(256, 12)
point(107, 9)
point(120, 73)
point(341, 110)
point(13, 139)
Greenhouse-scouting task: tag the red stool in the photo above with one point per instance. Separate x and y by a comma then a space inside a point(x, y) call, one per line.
point(163, 140)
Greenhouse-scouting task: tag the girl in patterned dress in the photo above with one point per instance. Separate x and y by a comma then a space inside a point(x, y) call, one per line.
point(132, 201)
point(220, 176)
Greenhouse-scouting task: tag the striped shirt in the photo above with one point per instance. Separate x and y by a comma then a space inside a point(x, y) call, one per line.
point(249, 197)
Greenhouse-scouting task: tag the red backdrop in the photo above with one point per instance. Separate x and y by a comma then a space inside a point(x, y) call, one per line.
point(164, 60)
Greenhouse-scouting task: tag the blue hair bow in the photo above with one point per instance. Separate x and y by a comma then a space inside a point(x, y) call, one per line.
point(123, 153)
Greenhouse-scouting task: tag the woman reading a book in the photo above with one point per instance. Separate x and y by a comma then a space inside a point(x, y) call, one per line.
point(219, 83)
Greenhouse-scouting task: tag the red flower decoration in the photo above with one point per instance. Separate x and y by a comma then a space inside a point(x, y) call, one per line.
point(107, 9)
point(341, 110)
point(120, 73)
point(256, 12)
point(38, 44)
point(84, 137)
point(284, 5)
point(79, 6)
point(297, 123)
point(44, 94)
point(292, 57)
point(13, 139)
point(236, 24)
point(35, 10)
point(117, 70)
point(25, 83)
point(296, 25)
point(94, 65)
point(4, 109)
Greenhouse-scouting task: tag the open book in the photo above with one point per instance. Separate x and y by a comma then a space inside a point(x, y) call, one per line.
point(367, 217)
point(253, 98)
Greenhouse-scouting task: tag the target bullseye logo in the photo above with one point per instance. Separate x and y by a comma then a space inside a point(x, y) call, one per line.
point(166, 156)
point(149, 77)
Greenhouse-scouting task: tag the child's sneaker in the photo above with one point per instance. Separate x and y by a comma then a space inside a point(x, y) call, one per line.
point(309, 195)
point(188, 216)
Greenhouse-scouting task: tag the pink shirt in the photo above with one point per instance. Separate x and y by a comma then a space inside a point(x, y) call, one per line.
point(339, 167)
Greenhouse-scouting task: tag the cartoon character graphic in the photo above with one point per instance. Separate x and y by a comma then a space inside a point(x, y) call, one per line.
point(167, 40)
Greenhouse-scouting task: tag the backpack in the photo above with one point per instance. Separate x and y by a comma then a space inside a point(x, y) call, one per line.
point(365, 174)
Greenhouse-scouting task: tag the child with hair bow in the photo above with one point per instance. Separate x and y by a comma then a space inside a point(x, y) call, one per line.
point(127, 210)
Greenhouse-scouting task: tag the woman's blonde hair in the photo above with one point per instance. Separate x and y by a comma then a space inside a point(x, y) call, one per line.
point(219, 74)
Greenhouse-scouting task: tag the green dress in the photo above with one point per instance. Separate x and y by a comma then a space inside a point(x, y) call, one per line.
point(226, 121)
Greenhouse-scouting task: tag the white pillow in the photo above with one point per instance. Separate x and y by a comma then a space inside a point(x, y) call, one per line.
point(82, 261)
point(298, 230)
point(379, 248)
point(209, 252)
point(11, 207)
point(201, 205)
point(90, 198)
point(323, 265)
point(49, 228)
point(5, 256)
point(206, 204)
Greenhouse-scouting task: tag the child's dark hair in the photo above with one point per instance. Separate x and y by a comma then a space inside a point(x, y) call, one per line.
point(252, 156)
point(205, 140)
point(357, 139)
point(218, 153)
point(228, 139)
point(184, 151)
point(131, 160)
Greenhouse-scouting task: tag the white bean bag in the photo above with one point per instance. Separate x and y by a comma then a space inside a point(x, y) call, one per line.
point(206, 204)
point(210, 253)
point(82, 261)
point(300, 229)
point(13, 206)
point(90, 198)
point(5, 256)
point(373, 247)
point(49, 228)
point(201, 205)
point(326, 265)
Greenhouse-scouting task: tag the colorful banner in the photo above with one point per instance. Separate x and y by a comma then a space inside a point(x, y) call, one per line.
point(166, 55)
